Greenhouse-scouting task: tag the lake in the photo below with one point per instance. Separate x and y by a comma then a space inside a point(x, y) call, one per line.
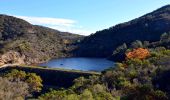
point(85, 64)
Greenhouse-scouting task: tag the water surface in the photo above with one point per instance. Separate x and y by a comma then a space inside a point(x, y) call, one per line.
point(85, 64)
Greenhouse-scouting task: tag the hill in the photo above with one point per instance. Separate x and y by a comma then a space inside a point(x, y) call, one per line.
point(145, 28)
point(36, 43)
point(142, 46)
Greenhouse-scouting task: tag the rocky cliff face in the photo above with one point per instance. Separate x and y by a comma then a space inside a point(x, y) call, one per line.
point(12, 57)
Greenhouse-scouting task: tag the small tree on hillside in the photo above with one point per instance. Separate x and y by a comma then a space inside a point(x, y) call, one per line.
point(139, 53)
point(136, 44)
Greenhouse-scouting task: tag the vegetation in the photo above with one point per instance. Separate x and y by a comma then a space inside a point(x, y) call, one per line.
point(13, 90)
point(148, 27)
point(82, 90)
point(34, 81)
point(138, 53)
point(36, 43)
point(141, 73)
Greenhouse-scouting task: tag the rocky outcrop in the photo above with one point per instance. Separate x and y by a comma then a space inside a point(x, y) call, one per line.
point(12, 57)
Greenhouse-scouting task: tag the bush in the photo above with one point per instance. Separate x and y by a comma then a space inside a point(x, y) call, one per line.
point(10, 90)
point(136, 44)
point(145, 92)
point(86, 95)
point(34, 81)
point(53, 95)
point(138, 53)
point(119, 53)
point(165, 38)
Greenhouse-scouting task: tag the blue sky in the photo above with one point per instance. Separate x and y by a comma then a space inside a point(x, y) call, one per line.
point(79, 16)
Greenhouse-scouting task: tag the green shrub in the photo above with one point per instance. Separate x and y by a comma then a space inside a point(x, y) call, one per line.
point(34, 81)
point(53, 95)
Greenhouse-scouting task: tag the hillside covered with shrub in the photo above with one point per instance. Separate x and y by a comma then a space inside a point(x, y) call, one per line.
point(142, 75)
point(148, 27)
point(36, 43)
point(140, 49)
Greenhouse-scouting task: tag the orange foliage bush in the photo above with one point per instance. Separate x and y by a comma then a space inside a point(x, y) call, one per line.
point(139, 53)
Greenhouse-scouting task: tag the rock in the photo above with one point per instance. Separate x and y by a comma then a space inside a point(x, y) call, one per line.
point(12, 57)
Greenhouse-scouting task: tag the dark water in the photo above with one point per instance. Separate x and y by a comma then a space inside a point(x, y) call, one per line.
point(85, 64)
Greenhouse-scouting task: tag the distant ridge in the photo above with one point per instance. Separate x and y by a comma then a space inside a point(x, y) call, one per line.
point(148, 27)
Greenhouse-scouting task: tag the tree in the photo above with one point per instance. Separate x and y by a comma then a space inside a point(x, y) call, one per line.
point(139, 53)
point(145, 92)
point(119, 53)
point(72, 97)
point(16, 74)
point(121, 48)
point(86, 95)
point(10, 90)
point(136, 44)
point(99, 92)
point(53, 95)
point(34, 81)
point(165, 37)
